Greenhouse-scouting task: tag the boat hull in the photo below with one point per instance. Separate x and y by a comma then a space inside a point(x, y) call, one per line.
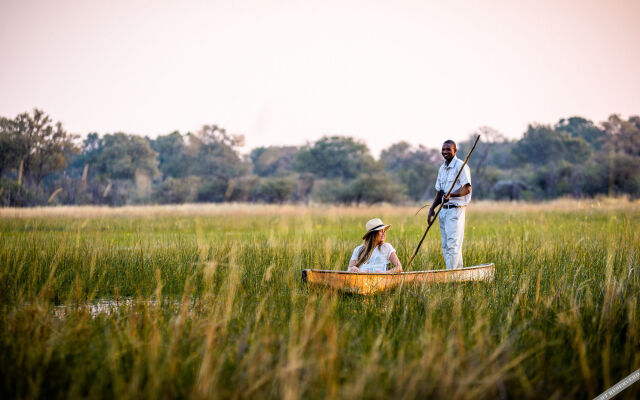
point(370, 283)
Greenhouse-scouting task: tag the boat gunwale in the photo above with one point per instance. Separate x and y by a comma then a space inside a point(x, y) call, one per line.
point(431, 271)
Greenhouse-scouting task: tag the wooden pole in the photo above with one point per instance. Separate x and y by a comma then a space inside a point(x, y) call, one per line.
point(442, 203)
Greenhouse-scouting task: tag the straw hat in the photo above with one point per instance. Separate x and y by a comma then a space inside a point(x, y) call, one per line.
point(375, 225)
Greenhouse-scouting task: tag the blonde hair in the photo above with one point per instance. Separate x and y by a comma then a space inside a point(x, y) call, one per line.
point(369, 244)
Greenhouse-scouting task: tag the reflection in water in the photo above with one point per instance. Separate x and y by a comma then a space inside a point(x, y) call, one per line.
point(109, 306)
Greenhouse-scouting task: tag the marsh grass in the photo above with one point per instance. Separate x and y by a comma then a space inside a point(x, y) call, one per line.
point(209, 303)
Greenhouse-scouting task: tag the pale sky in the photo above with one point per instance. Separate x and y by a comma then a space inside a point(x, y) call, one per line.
point(286, 72)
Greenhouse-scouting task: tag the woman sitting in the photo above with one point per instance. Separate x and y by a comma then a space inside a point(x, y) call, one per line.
point(374, 255)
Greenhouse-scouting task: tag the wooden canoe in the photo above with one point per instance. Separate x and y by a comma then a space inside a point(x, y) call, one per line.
point(369, 283)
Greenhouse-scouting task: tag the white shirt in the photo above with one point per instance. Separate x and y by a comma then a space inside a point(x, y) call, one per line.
point(379, 258)
point(446, 175)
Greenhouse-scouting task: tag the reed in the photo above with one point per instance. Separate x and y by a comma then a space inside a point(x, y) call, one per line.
point(190, 302)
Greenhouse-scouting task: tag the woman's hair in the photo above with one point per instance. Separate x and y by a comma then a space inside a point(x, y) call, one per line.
point(369, 244)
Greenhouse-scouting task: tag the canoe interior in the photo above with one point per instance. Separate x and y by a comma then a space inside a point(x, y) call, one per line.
point(369, 283)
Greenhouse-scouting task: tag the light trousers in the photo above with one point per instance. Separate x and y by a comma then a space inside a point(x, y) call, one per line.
point(452, 233)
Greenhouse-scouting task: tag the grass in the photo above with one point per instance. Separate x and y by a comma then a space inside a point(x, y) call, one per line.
point(201, 302)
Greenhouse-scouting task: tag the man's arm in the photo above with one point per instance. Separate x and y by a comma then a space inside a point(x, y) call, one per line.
point(441, 198)
point(463, 191)
point(465, 181)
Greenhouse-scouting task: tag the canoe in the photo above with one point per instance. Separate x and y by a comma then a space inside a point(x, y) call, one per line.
point(369, 283)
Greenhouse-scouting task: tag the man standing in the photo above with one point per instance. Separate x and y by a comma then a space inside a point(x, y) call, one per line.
point(453, 209)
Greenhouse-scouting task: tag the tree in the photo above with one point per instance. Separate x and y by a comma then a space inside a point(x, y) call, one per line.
point(579, 127)
point(175, 191)
point(415, 167)
point(335, 157)
point(121, 156)
point(542, 145)
point(242, 188)
point(172, 160)
point(212, 154)
point(90, 150)
point(41, 146)
point(273, 160)
point(403, 156)
point(366, 188)
point(557, 179)
point(493, 149)
point(306, 181)
point(373, 188)
point(11, 146)
point(213, 189)
point(623, 136)
point(277, 189)
point(115, 169)
point(493, 154)
point(612, 174)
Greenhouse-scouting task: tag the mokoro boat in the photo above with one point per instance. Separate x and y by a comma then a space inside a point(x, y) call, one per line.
point(369, 283)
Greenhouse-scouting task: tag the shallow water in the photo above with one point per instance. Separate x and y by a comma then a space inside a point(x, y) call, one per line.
point(108, 306)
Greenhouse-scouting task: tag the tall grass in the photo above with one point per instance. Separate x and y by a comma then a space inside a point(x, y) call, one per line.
point(210, 304)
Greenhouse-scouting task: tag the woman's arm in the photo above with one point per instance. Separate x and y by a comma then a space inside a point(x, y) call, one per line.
point(397, 267)
point(352, 266)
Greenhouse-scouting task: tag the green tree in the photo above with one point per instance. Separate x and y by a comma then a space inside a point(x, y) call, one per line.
point(306, 181)
point(212, 154)
point(213, 189)
point(172, 159)
point(491, 158)
point(33, 139)
point(213, 157)
point(114, 169)
point(373, 188)
point(403, 156)
point(175, 191)
point(335, 157)
point(612, 174)
point(89, 152)
point(542, 145)
point(557, 179)
point(243, 188)
point(11, 146)
point(273, 160)
point(623, 136)
point(120, 156)
point(276, 189)
point(493, 150)
point(367, 188)
point(415, 167)
point(579, 127)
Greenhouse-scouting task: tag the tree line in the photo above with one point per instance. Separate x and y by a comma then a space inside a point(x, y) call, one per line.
point(41, 163)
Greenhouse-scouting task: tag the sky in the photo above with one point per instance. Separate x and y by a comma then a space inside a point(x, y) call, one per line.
point(284, 72)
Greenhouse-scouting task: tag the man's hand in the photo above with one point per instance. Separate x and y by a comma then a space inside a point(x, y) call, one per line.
point(353, 269)
point(446, 199)
point(436, 201)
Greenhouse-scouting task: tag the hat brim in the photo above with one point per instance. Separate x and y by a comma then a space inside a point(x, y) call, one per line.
point(384, 227)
